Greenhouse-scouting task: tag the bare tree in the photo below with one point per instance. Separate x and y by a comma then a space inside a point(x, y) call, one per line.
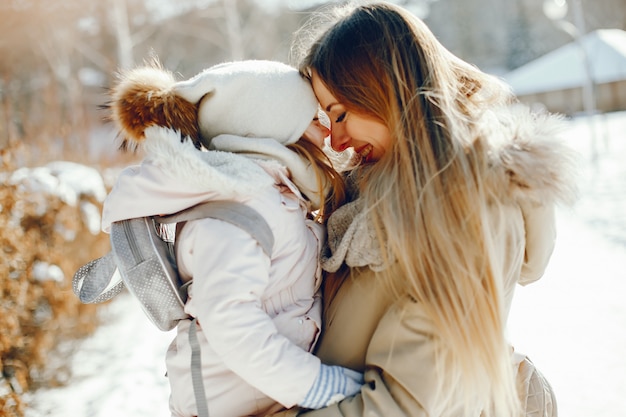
point(233, 27)
point(121, 28)
point(40, 71)
point(46, 46)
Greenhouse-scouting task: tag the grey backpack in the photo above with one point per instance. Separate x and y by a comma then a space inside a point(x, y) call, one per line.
point(143, 260)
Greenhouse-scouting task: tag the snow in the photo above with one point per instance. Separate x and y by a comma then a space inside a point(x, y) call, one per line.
point(71, 182)
point(119, 371)
point(43, 271)
point(571, 323)
point(67, 180)
point(563, 68)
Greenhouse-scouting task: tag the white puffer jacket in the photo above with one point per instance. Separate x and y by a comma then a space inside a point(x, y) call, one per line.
point(259, 317)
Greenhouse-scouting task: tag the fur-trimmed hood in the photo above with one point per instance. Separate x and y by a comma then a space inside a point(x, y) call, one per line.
point(530, 165)
point(531, 156)
point(175, 175)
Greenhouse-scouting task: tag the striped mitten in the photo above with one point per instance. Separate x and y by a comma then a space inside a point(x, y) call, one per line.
point(333, 383)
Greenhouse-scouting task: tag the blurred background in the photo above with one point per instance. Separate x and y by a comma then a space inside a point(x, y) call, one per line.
point(59, 56)
point(58, 159)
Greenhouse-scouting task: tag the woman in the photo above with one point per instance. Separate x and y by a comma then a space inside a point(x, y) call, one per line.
point(452, 204)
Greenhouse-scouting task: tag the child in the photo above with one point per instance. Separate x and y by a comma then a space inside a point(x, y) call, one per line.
point(257, 318)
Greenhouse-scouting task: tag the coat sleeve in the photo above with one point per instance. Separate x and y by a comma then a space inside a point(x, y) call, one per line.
point(400, 374)
point(540, 228)
point(231, 273)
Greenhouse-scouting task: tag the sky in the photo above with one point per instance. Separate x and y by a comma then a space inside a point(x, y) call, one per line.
point(571, 323)
point(168, 7)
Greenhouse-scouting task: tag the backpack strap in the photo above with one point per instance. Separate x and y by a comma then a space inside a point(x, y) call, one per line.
point(238, 214)
point(243, 217)
point(196, 372)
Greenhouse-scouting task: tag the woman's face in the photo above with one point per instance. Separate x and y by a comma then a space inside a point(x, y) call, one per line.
point(368, 136)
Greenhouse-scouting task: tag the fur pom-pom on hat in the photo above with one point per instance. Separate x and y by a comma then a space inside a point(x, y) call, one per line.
point(144, 97)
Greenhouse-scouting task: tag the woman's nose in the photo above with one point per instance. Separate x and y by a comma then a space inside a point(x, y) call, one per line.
point(339, 139)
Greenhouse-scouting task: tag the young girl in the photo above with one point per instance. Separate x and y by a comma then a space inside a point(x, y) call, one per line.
point(451, 207)
point(257, 318)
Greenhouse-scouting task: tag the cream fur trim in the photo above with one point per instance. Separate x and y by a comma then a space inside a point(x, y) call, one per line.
point(530, 163)
point(229, 173)
point(302, 173)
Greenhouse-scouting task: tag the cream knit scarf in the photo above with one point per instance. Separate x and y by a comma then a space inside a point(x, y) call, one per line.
point(351, 237)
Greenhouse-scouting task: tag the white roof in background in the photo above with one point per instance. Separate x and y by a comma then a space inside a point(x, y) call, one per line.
point(564, 67)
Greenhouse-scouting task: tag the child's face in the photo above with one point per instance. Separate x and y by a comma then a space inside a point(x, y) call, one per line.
point(316, 132)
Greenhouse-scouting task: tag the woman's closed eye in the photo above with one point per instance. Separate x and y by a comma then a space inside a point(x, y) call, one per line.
point(341, 117)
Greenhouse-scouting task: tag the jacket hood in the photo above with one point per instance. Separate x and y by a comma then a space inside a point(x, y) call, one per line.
point(175, 175)
point(534, 159)
point(529, 165)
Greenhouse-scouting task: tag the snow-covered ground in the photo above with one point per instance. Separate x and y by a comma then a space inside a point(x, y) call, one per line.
point(572, 323)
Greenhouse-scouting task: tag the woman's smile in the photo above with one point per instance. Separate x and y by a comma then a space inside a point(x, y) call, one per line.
point(364, 152)
point(368, 136)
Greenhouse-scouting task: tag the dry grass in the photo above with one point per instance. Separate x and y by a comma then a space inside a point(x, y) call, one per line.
point(36, 317)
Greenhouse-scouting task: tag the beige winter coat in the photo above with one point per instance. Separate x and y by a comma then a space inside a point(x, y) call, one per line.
point(366, 330)
point(390, 340)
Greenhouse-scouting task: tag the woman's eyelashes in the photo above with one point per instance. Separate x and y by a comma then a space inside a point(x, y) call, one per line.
point(341, 117)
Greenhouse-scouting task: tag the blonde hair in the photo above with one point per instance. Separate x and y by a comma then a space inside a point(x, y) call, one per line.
point(330, 183)
point(427, 197)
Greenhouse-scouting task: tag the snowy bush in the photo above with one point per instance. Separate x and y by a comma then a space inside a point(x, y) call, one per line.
point(49, 227)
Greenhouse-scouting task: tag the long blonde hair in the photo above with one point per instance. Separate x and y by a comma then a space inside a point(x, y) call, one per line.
point(426, 197)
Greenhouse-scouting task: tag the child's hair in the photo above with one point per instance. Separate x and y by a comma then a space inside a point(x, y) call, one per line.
point(325, 174)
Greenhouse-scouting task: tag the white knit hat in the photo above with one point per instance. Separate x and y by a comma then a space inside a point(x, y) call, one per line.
point(261, 99)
